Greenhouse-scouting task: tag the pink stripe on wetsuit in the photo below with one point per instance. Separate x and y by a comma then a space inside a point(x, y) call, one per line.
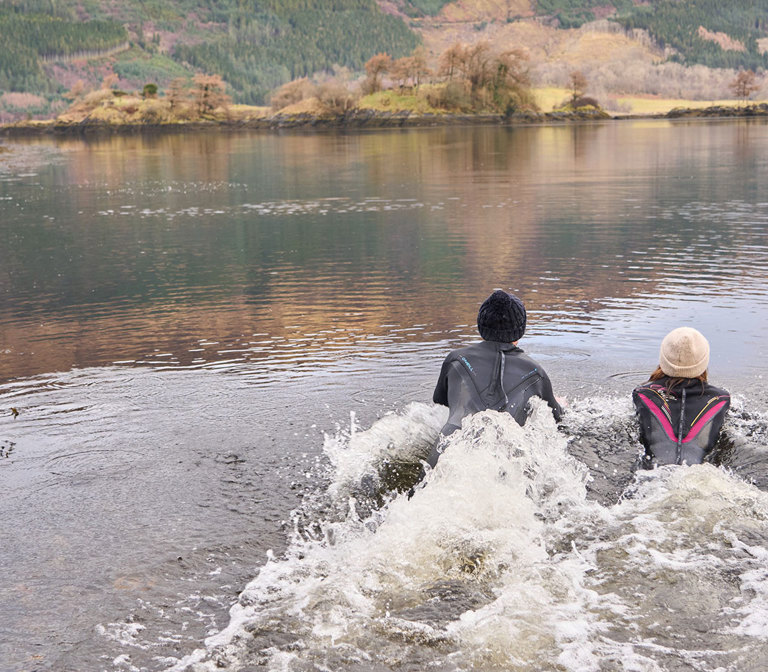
point(711, 413)
point(667, 425)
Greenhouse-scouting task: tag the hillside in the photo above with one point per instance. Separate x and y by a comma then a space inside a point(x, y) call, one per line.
point(704, 32)
point(672, 49)
point(256, 45)
point(656, 47)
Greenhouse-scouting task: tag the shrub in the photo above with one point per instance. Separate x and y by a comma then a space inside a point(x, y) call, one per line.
point(336, 97)
point(106, 115)
point(517, 101)
point(584, 101)
point(98, 97)
point(129, 105)
point(454, 96)
point(153, 112)
point(292, 93)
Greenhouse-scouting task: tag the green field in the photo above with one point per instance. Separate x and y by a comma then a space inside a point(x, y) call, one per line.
point(551, 98)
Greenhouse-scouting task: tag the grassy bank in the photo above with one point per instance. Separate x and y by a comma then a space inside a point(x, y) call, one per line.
point(107, 113)
point(551, 98)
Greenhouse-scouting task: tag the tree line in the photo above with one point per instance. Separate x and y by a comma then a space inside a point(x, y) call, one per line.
point(261, 51)
point(424, 7)
point(676, 24)
point(257, 45)
point(27, 39)
point(186, 99)
point(469, 78)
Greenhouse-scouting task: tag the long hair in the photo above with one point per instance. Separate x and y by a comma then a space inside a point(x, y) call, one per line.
point(672, 383)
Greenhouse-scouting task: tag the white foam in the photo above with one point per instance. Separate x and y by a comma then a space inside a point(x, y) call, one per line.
point(500, 561)
point(122, 633)
point(405, 436)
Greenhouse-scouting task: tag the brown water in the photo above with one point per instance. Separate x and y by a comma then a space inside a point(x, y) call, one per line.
point(182, 317)
point(149, 249)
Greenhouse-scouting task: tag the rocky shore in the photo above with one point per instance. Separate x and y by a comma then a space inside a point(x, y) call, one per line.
point(757, 110)
point(354, 119)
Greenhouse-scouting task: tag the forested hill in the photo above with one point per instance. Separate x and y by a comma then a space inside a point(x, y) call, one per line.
point(254, 44)
point(715, 33)
point(268, 42)
point(708, 32)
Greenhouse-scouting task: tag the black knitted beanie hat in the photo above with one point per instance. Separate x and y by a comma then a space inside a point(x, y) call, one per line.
point(501, 318)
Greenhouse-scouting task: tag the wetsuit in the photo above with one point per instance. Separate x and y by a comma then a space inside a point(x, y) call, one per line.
point(489, 375)
point(681, 425)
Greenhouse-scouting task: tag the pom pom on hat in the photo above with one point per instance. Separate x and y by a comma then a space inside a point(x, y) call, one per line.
point(684, 353)
point(501, 318)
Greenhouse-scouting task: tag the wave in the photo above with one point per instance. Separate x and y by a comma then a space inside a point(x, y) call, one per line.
point(507, 556)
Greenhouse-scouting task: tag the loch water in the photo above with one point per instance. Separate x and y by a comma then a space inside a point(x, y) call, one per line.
point(222, 348)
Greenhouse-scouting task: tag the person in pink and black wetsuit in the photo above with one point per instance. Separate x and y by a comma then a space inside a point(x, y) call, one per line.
point(680, 413)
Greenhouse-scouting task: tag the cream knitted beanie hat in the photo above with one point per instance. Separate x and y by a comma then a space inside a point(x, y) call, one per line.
point(684, 353)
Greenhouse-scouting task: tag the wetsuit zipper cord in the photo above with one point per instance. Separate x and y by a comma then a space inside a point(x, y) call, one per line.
point(680, 430)
point(501, 380)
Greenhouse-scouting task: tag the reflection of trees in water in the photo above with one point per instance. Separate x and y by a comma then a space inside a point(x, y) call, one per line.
point(568, 213)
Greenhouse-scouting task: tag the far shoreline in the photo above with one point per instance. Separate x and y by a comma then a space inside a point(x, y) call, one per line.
point(365, 119)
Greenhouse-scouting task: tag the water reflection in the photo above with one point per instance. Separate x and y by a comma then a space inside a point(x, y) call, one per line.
point(267, 285)
point(138, 249)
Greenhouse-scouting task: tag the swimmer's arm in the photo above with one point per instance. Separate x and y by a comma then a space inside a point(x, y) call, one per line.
point(440, 395)
point(434, 454)
point(549, 396)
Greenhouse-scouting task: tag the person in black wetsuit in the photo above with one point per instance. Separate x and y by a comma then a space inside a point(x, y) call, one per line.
point(679, 412)
point(493, 374)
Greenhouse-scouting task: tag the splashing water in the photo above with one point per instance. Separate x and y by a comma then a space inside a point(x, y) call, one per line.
point(500, 560)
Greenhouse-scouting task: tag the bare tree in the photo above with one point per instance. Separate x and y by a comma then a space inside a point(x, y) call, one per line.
point(178, 94)
point(577, 83)
point(209, 93)
point(376, 66)
point(109, 81)
point(744, 85)
point(450, 60)
point(400, 71)
point(511, 85)
point(481, 78)
point(292, 92)
point(478, 67)
point(511, 70)
point(77, 91)
point(419, 67)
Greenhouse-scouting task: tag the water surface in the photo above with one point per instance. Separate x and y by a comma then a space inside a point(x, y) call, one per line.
point(183, 319)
